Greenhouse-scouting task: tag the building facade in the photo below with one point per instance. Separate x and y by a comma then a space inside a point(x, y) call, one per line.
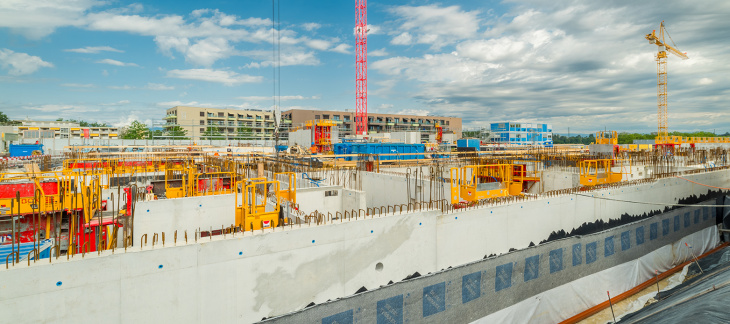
point(230, 124)
point(377, 123)
point(519, 133)
point(37, 129)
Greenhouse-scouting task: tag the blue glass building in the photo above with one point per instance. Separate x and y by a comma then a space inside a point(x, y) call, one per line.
point(519, 133)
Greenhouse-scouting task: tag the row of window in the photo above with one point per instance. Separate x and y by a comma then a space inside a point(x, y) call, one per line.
point(240, 123)
point(233, 130)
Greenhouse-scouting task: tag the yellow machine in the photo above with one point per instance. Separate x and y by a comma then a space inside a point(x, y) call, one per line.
point(663, 137)
point(51, 192)
point(476, 182)
point(186, 181)
point(290, 193)
point(596, 172)
point(607, 137)
point(252, 194)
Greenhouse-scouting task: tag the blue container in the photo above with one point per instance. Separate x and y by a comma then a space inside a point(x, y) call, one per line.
point(281, 148)
point(17, 150)
point(472, 142)
point(379, 149)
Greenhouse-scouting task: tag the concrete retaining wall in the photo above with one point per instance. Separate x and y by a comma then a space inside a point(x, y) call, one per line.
point(183, 214)
point(246, 278)
point(471, 292)
point(338, 200)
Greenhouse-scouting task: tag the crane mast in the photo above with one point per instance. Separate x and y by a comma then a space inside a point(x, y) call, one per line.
point(661, 59)
point(361, 68)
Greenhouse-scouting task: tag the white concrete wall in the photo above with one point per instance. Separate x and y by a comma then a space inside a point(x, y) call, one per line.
point(301, 137)
point(248, 277)
point(183, 214)
point(384, 189)
point(353, 199)
point(555, 180)
point(313, 199)
point(406, 137)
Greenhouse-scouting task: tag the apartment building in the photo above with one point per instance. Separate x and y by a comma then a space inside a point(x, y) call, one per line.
point(377, 123)
point(519, 133)
point(39, 129)
point(224, 123)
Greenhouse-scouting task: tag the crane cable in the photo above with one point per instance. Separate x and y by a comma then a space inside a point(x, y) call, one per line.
point(701, 184)
point(650, 203)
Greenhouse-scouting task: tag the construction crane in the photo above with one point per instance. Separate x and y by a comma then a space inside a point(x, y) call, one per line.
point(361, 68)
point(661, 61)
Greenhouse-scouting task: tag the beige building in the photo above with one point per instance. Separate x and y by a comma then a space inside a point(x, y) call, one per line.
point(37, 129)
point(229, 123)
point(377, 123)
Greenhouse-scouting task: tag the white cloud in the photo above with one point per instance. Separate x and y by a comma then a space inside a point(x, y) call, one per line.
point(124, 87)
point(416, 112)
point(221, 76)
point(178, 103)
point(378, 52)
point(118, 103)
point(158, 86)
point(283, 98)
point(373, 29)
point(705, 81)
point(311, 26)
point(208, 50)
point(20, 63)
point(169, 104)
point(434, 25)
point(36, 19)
point(115, 62)
point(93, 49)
point(568, 65)
point(319, 44)
point(404, 38)
point(293, 57)
point(77, 85)
point(343, 48)
point(61, 108)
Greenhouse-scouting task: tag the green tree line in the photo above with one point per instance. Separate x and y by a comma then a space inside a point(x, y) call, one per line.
point(626, 138)
point(138, 130)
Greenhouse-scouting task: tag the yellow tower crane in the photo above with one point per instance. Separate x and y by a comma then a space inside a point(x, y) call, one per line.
point(661, 61)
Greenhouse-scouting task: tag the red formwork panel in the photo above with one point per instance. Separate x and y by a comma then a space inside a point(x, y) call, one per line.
point(27, 189)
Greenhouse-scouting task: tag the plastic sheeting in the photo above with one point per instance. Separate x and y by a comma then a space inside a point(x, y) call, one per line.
point(702, 299)
point(558, 304)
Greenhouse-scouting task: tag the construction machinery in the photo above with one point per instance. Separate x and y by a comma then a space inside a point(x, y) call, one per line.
point(257, 204)
point(603, 171)
point(439, 133)
point(476, 182)
point(663, 138)
point(607, 137)
point(321, 135)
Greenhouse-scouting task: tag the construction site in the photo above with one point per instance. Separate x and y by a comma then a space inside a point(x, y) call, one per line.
point(368, 228)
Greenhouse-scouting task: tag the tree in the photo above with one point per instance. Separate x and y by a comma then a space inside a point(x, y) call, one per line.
point(83, 123)
point(244, 132)
point(213, 133)
point(3, 117)
point(177, 132)
point(136, 130)
point(155, 134)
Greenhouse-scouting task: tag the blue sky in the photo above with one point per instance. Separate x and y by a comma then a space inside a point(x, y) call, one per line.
point(578, 64)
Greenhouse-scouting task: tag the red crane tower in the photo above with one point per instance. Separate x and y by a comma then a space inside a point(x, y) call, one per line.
point(361, 68)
